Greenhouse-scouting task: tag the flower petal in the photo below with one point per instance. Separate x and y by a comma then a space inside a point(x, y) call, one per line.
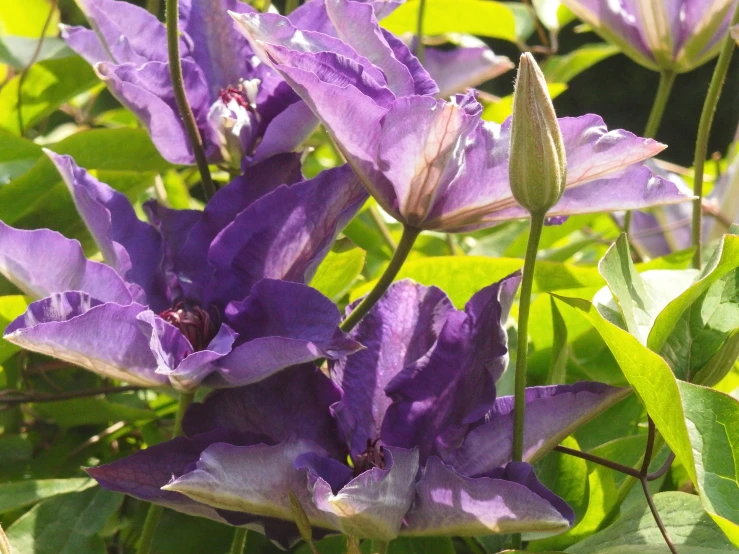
point(131, 246)
point(143, 474)
point(448, 503)
point(438, 397)
point(463, 67)
point(283, 235)
point(147, 91)
point(256, 479)
point(552, 413)
point(280, 324)
point(43, 262)
point(400, 329)
point(373, 504)
point(292, 403)
point(79, 329)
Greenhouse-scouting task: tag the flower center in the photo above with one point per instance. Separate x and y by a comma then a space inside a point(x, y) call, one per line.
point(244, 94)
point(194, 322)
point(373, 456)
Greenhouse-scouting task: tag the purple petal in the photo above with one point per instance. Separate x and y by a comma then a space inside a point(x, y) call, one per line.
point(176, 358)
point(146, 90)
point(448, 503)
point(373, 504)
point(312, 14)
point(286, 131)
point(281, 324)
point(438, 397)
point(292, 403)
point(463, 67)
point(128, 244)
point(189, 256)
point(399, 330)
point(257, 479)
point(423, 84)
point(218, 48)
point(283, 235)
point(143, 474)
point(79, 329)
point(356, 25)
point(552, 413)
point(127, 34)
point(43, 262)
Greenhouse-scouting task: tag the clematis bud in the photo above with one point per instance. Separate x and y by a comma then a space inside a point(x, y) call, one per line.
point(537, 163)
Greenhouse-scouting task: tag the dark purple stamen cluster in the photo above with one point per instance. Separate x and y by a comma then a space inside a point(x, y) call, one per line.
point(234, 93)
point(194, 322)
point(373, 456)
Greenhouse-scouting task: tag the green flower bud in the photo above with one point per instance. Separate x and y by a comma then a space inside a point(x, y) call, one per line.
point(537, 165)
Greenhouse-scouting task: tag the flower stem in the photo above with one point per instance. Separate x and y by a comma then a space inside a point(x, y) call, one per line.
point(155, 512)
point(396, 262)
point(188, 119)
point(704, 129)
point(537, 225)
point(420, 48)
point(382, 227)
point(152, 6)
point(666, 80)
point(239, 541)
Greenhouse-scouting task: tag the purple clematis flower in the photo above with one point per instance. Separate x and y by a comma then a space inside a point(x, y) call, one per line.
point(215, 296)
point(405, 437)
point(663, 35)
point(242, 107)
point(434, 164)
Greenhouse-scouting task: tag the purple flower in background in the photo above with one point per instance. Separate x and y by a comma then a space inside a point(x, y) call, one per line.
point(406, 437)
point(434, 164)
point(663, 35)
point(217, 295)
point(242, 107)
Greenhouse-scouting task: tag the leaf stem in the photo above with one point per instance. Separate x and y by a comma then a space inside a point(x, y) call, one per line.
point(24, 398)
point(396, 262)
point(704, 130)
point(420, 47)
point(155, 511)
point(537, 225)
point(239, 541)
point(178, 85)
point(598, 460)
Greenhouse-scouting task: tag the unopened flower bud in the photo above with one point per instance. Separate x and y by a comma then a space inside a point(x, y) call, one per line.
point(537, 163)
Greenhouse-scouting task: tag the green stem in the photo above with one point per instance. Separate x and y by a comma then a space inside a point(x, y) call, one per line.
point(420, 48)
point(188, 119)
point(453, 245)
point(537, 224)
point(666, 80)
point(153, 7)
point(704, 129)
point(291, 5)
point(155, 512)
point(239, 541)
point(382, 227)
point(396, 262)
point(378, 547)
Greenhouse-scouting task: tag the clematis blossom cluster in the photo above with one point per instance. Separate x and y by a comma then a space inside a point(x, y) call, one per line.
point(217, 296)
point(431, 163)
point(404, 438)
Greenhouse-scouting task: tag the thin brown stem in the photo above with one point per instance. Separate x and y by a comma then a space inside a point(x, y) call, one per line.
point(600, 461)
point(661, 471)
point(24, 398)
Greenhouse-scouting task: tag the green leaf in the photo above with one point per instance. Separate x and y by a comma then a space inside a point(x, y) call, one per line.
point(89, 411)
point(17, 155)
point(338, 271)
point(20, 494)
point(14, 448)
point(726, 259)
point(462, 276)
point(27, 17)
point(562, 69)
point(475, 17)
point(121, 150)
point(560, 349)
point(4, 543)
point(10, 307)
point(566, 476)
point(713, 429)
point(635, 532)
point(47, 85)
point(421, 545)
point(65, 524)
point(18, 52)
